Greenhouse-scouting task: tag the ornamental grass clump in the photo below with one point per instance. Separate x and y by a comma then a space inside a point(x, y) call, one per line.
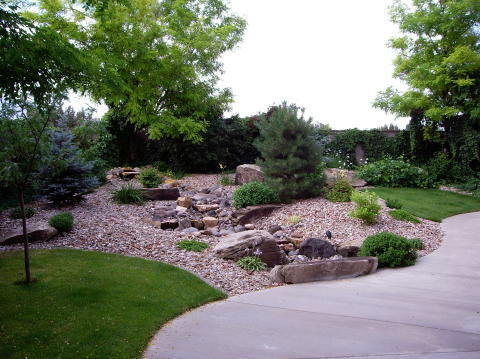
point(341, 191)
point(128, 194)
point(252, 263)
point(62, 222)
point(150, 177)
point(192, 246)
point(252, 194)
point(403, 215)
point(367, 207)
point(391, 249)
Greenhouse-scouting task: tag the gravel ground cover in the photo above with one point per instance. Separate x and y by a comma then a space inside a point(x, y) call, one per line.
point(102, 225)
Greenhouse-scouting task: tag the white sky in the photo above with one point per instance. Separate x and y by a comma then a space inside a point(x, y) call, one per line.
point(325, 55)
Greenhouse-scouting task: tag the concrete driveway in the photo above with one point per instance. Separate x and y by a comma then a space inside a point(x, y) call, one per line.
point(429, 311)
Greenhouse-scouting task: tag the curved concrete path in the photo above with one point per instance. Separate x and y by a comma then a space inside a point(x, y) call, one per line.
point(430, 311)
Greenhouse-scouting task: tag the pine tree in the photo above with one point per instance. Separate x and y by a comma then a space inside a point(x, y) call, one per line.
point(291, 156)
point(68, 178)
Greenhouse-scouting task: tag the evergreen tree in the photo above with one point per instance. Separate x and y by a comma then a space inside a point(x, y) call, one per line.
point(291, 156)
point(68, 178)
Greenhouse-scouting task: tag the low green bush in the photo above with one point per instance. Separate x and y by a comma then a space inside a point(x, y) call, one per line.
point(403, 215)
point(17, 213)
point(193, 246)
point(252, 194)
point(62, 222)
point(150, 177)
point(395, 173)
point(367, 207)
point(391, 250)
point(393, 203)
point(128, 194)
point(251, 263)
point(417, 243)
point(340, 192)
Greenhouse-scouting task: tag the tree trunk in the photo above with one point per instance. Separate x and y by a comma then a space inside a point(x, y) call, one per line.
point(25, 236)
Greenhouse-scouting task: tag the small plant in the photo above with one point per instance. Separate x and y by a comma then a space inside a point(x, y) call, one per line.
point(128, 194)
point(403, 215)
point(226, 180)
point(294, 219)
point(367, 207)
point(193, 246)
point(251, 263)
point(393, 203)
point(417, 243)
point(150, 177)
point(392, 250)
point(341, 191)
point(252, 194)
point(17, 213)
point(62, 222)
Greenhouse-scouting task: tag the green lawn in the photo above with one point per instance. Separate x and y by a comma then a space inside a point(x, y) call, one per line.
point(431, 204)
point(90, 304)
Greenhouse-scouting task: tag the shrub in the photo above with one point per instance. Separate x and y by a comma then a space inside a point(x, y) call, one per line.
point(403, 215)
point(226, 180)
point(62, 222)
point(290, 153)
point(395, 173)
point(193, 246)
point(294, 219)
point(393, 203)
point(367, 207)
point(251, 263)
point(17, 213)
point(340, 192)
point(392, 250)
point(150, 177)
point(128, 194)
point(417, 243)
point(252, 194)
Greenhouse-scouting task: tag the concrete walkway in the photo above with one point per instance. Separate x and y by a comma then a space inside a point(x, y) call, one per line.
point(430, 311)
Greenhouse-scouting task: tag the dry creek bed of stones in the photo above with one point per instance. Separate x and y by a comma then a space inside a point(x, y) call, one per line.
point(102, 225)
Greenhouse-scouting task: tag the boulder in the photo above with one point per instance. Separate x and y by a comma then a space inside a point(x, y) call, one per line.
point(41, 232)
point(274, 229)
point(184, 202)
point(241, 244)
point(323, 270)
point(252, 213)
point(348, 251)
point(161, 194)
point(210, 222)
point(248, 173)
point(184, 223)
point(129, 174)
point(249, 226)
point(172, 224)
point(206, 207)
point(332, 174)
point(204, 197)
point(316, 247)
point(198, 224)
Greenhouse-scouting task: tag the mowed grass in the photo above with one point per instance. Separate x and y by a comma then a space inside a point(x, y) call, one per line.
point(90, 304)
point(431, 204)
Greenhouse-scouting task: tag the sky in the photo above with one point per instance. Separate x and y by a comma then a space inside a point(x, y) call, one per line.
point(329, 57)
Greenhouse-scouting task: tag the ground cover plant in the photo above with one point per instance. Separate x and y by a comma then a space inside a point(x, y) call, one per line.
point(150, 177)
point(91, 304)
point(252, 194)
point(251, 263)
point(403, 215)
point(393, 203)
point(367, 207)
point(391, 249)
point(191, 245)
point(128, 194)
point(431, 204)
point(62, 222)
point(340, 192)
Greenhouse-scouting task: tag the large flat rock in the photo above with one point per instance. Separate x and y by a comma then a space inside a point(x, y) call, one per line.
point(161, 194)
point(40, 232)
point(252, 213)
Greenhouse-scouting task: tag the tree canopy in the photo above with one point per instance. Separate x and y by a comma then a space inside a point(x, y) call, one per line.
point(157, 62)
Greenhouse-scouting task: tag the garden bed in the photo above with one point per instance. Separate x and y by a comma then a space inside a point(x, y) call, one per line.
point(102, 225)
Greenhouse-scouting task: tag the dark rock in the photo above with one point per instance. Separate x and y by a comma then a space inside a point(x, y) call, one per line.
point(211, 213)
point(35, 233)
point(316, 247)
point(274, 229)
point(248, 173)
point(324, 270)
point(252, 213)
point(172, 224)
point(225, 203)
point(348, 251)
point(161, 194)
point(198, 224)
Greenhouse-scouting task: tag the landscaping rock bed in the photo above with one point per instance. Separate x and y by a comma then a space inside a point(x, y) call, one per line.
point(101, 224)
